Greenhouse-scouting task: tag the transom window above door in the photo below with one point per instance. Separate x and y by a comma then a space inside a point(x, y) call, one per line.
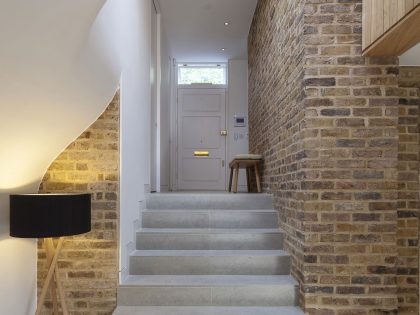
point(202, 74)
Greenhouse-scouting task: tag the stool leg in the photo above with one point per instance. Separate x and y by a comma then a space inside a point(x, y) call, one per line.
point(257, 177)
point(235, 182)
point(230, 179)
point(248, 179)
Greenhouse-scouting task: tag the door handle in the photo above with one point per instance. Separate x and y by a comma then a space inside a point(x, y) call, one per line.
point(224, 133)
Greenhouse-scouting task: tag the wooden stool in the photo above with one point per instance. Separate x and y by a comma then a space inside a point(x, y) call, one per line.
point(246, 161)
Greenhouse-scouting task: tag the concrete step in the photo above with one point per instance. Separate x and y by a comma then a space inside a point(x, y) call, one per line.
point(208, 201)
point(208, 291)
point(209, 254)
point(206, 239)
point(227, 219)
point(209, 262)
point(136, 310)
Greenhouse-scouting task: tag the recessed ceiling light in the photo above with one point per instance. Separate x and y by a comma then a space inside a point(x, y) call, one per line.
point(227, 23)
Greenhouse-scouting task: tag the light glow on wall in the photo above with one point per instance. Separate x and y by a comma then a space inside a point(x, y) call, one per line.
point(53, 86)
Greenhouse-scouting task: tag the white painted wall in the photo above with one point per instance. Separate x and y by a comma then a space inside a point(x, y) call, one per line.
point(411, 57)
point(165, 113)
point(123, 30)
point(155, 106)
point(41, 81)
point(57, 77)
point(237, 104)
point(18, 262)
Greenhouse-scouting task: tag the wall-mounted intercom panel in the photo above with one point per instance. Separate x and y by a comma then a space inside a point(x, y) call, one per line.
point(240, 121)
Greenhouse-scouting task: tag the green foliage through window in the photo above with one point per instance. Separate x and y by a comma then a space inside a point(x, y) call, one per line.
point(196, 74)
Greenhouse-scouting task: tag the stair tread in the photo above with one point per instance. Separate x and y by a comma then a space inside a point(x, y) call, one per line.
point(212, 210)
point(209, 310)
point(212, 200)
point(207, 253)
point(209, 231)
point(253, 281)
point(208, 280)
point(206, 193)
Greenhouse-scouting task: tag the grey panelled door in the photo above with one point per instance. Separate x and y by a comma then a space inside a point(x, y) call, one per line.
point(201, 139)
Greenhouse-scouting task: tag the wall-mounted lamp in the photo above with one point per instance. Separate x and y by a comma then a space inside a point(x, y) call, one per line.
point(47, 216)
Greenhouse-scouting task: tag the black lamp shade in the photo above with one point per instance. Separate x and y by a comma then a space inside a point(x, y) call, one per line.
point(49, 215)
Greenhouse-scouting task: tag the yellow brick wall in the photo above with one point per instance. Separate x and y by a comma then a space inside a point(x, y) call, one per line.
point(339, 137)
point(408, 205)
point(89, 263)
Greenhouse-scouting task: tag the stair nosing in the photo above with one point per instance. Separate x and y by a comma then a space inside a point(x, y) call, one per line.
point(134, 281)
point(207, 253)
point(208, 231)
point(296, 310)
point(211, 210)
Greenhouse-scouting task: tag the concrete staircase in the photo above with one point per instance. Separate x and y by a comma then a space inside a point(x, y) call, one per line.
point(209, 254)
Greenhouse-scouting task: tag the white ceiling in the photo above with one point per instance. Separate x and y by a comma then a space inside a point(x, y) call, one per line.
point(196, 32)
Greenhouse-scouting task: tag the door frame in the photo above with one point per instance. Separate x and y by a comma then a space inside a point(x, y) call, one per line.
point(155, 102)
point(174, 119)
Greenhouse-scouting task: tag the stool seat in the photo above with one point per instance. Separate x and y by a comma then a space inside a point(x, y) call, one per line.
point(246, 161)
point(248, 157)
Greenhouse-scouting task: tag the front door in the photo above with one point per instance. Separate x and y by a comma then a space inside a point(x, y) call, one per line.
point(201, 139)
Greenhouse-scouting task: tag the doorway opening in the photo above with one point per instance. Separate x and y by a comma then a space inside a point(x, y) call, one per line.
point(201, 127)
point(203, 92)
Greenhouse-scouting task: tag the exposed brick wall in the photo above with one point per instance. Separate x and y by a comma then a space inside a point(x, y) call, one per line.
point(89, 263)
point(353, 163)
point(409, 76)
point(335, 171)
point(408, 206)
point(276, 98)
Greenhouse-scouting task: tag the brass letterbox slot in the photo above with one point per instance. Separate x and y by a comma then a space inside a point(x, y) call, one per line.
point(201, 153)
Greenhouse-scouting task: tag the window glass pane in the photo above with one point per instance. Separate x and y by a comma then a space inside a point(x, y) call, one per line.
point(211, 74)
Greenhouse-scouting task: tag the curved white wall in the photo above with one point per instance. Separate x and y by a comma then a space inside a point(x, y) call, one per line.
point(122, 33)
point(60, 65)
